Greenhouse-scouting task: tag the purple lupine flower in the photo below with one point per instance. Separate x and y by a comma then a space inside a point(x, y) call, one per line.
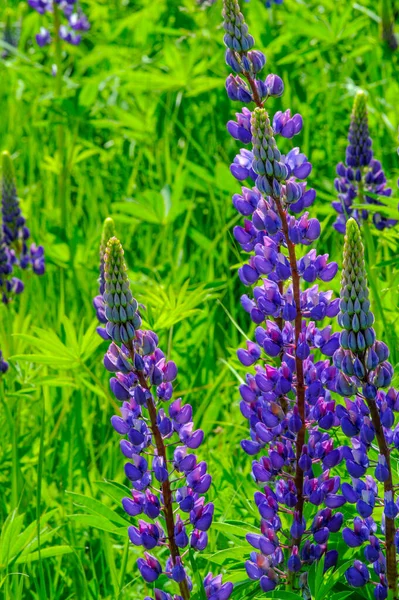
point(368, 419)
point(143, 381)
point(43, 37)
point(76, 21)
point(14, 235)
point(361, 178)
point(3, 365)
point(289, 401)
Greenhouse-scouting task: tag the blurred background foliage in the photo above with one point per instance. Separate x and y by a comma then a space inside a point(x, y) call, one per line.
point(140, 110)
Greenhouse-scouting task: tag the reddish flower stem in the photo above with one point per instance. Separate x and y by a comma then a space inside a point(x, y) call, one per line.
point(390, 529)
point(300, 384)
point(166, 489)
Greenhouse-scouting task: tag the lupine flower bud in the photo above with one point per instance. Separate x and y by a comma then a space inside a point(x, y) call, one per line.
point(362, 173)
point(236, 35)
point(108, 232)
point(77, 21)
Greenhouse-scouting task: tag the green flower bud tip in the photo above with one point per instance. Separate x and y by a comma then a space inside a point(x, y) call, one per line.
point(107, 233)
point(8, 171)
point(120, 306)
point(355, 316)
point(360, 105)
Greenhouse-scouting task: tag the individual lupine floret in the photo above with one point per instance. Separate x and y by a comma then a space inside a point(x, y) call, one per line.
point(14, 230)
point(361, 178)
point(288, 401)
point(4, 366)
point(108, 232)
point(76, 22)
point(142, 381)
point(368, 420)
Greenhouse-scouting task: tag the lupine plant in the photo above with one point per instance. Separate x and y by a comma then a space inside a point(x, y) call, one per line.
point(286, 398)
point(168, 482)
point(368, 419)
point(70, 31)
point(14, 236)
point(361, 179)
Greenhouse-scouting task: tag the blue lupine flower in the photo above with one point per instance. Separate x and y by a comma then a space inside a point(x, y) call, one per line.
point(368, 419)
point(361, 178)
point(143, 382)
point(293, 395)
point(77, 21)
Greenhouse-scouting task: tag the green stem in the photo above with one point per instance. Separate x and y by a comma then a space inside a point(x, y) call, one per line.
point(63, 168)
point(39, 497)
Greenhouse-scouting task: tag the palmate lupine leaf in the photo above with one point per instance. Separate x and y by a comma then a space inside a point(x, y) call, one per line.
point(19, 545)
point(169, 306)
point(77, 349)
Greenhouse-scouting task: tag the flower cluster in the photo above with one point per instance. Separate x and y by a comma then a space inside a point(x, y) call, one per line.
point(14, 235)
point(76, 20)
point(361, 179)
point(368, 419)
point(168, 482)
point(286, 398)
point(14, 249)
point(108, 232)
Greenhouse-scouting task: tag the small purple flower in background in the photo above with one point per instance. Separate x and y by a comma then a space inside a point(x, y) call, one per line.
point(287, 400)
point(368, 419)
point(361, 179)
point(168, 481)
point(14, 230)
point(14, 251)
point(3, 365)
point(11, 33)
point(108, 232)
point(70, 32)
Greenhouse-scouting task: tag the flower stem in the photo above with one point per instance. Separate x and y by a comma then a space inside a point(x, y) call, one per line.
point(62, 175)
point(392, 574)
point(300, 388)
point(300, 384)
point(166, 489)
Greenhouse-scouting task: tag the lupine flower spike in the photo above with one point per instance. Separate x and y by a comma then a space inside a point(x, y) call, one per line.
point(368, 419)
point(167, 487)
point(77, 22)
point(361, 178)
point(108, 232)
point(15, 232)
point(286, 399)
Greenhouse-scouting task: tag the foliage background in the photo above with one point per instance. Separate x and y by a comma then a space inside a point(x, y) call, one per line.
point(143, 112)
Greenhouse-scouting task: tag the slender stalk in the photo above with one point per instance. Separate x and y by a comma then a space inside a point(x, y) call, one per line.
point(390, 529)
point(166, 489)
point(60, 128)
point(300, 387)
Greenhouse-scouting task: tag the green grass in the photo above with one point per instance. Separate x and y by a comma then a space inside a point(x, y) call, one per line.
point(135, 129)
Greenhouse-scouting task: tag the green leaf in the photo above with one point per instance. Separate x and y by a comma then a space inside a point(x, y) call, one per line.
point(98, 508)
point(48, 552)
